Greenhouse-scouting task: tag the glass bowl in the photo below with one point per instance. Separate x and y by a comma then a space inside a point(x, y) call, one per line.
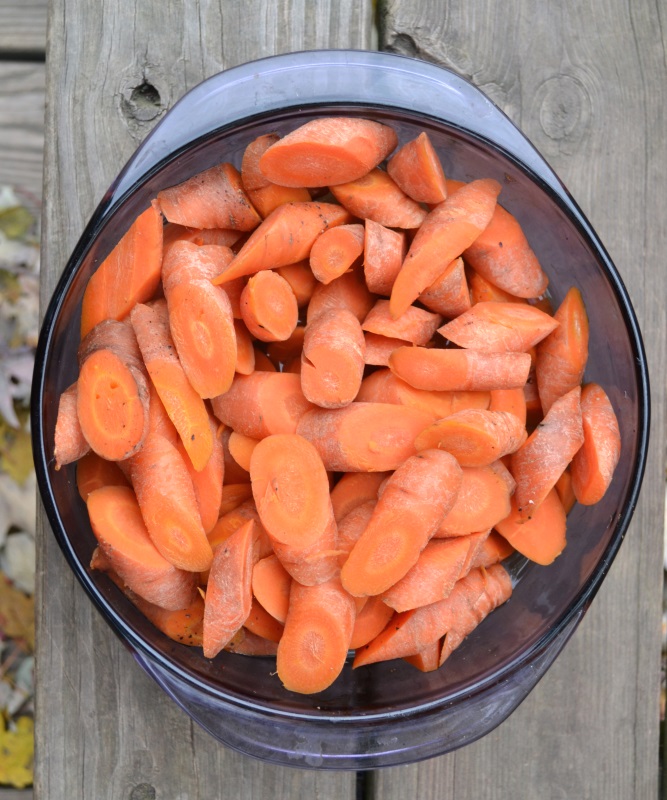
point(390, 713)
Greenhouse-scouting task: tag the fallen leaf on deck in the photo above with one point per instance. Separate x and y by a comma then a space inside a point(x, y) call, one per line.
point(17, 750)
point(17, 614)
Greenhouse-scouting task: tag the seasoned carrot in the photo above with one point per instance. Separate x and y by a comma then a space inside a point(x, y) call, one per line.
point(332, 360)
point(245, 349)
point(376, 196)
point(364, 437)
point(352, 525)
point(232, 520)
point(129, 274)
point(284, 352)
point(349, 291)
point(213, 198)
point(370, 621)
point(207, 482)
point(482, 291)
point(264, 195)
point(594, 464)
point(328, 151)
point(69, 442)
point(502, 255)
point(268, 307)
point(229, 589)
point(94, 472)
point(415, 326)
point(301, 280)
point(188, 261)
point(483, 500)
point(543, 457)
point(317, 635)
point(185, 407)
point(271, 585)
point(541, 537)
point(445, 233)
point(337, 250)
point(263, 403)
point(562, 356)
point(565, 490)
point(185, 626)
point(449, 294)
point(378, 349)
point(410, 632)
point(475, 437)
point(459, 370)
point(284, 237)
point(384, 251)
point(240, 448)
point(494, 327)
point(411, 507)
point(261, 623)
point(173, 233)
point(121, 533)
point(416, 168)
point(353, 489)
point(247, 643)
point(232, 495)
point(512, 401)
point(291, 491)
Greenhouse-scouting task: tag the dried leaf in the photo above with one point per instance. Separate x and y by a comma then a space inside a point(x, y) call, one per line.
point(17, 748)
point(15, 452)
point(16, 222)
point(17, 561)
point(17, 613)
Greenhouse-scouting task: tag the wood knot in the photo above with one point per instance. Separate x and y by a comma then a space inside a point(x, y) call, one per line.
point(143, 102)
point(564, 107)
point(143, 791)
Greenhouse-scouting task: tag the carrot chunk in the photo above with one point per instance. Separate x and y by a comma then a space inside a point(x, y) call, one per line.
point(416, 168)
point(269, 307)
point(336, 250)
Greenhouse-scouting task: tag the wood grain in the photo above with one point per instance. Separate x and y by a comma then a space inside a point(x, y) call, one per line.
point(104, 729)
point(591, 96)
point(23, 28)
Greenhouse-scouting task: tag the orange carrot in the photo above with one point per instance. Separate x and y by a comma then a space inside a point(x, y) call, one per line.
point(375, 196)
point(245, 349)
point(207, 482)
point(512, 401)
point(411, 507)
point(543, 457)
point(502, 255)
point(271, 585)
point(349, 291)
point(168, 504)
point(93, 472)
point(263, 403)
point(445, 233)
point(301, 280)
point(415, 326)
point(247, 643)
point(541, 537)
point(378, 349)
point(291, 491)
point(284, 237)
point(284, 352)
point(185, 407)
point(188, 261)
point(369, 622)
point(353, 489)
point(213, 198)
point(426, 660)
point(483, 500)
point(158, 419)
point(449, 294)
point(233, 290)
point(594, 464)
point(69, 442)
point(225, 237)
point(229, 589)
point(264, 195)
point(241, 448)
point(328, 151)
point(120, 530)
point(562, 356)
point(129, 275)
point(364, 437)
point(268, 307)
point(317, 635)
point(475, 437)
point(352, 525)
point(494, 549)
point(459, 370)
point(565, 490)
point(332, 360)
point(232, 520)
point(233, 494)
point(482, 291)
point(384, 251)
point(416, 168)
point(337, 250)
point(261, 623)
point(499, 327)
point(232, 471)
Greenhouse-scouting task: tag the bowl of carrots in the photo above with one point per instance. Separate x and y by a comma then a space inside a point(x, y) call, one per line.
point(340, 410)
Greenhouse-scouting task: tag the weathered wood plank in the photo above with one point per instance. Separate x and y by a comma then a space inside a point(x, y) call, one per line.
point(23, 27)
point(103, 728)
point(591, 96)
point(22, 88)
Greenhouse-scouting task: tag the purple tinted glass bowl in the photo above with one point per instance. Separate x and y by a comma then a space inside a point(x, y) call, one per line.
point(390, 713)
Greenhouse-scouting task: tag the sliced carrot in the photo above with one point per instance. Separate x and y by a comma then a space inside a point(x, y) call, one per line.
point(328, 151)
point(376, 196)
point(543, 457)
point(317, 635)
point(411, 507)
point(263, 403)
point(352, 525)
point(261, 623)
point(282, 353)
point(245, 349)
point(271, 585)
point(233, 289)
point(349, 291)
point(494, 549)
point(541, 537)
point(120, 530)
point(263, 363)
point(213, 198)
point(370, 621)
point(129, 274)
point(482, 291)
point(378, 349)
point(594, 464)
point(207, 482)
point(434, 369)
point(512, 401)
point(332, 360)
point(225, 237)
point(232, 520)
point(185, 626)
point(241, 448)
point(426, 660)
point(188, 261)
point(451, 227)
point(284, 237)
point(353, 489)
point(158, 419)
point(562, 356)
point(337, 250)
point(565, 490)
point(415, 326)
point(301, 280)
point(69, 442)
point(475, 437)
point(233, 494)
point(264, 195)
point(449, 294)
point(247, 643)
point(232, 471)
point(494, 327)
point(384, 251)
point(483, 500)
point(364, 437)
point(229, 590)
point(185, 407)
point(94, 472)
point(416, 168)
point(268, 307)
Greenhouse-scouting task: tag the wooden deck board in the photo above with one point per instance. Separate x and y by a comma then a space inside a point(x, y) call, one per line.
point(23, 28)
